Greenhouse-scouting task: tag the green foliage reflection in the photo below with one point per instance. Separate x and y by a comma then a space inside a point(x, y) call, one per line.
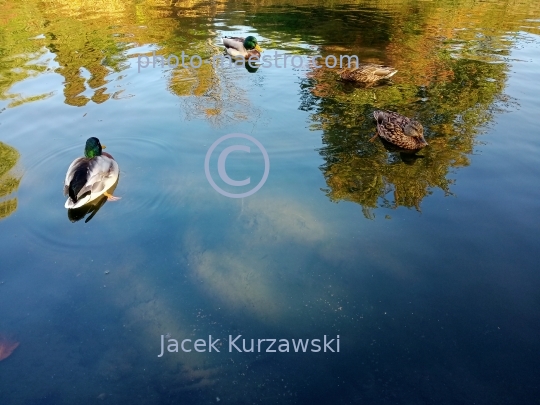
point(8, 182)
point(453, 90)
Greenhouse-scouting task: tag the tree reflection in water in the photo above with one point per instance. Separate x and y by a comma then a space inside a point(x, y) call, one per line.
point(9, 182)
point(453, 107)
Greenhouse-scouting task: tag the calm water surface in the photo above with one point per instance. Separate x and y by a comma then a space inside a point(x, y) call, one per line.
point(425, 266)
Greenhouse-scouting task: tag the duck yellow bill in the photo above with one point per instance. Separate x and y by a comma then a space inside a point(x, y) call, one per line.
point(258, 48)
point(103, 146)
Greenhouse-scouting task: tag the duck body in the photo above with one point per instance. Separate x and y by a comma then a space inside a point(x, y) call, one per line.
point(367, 73)
point(238, 47)
point(90, 177)
point(401, 131)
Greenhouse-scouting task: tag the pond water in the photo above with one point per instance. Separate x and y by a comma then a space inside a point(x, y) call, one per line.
point(423, 265)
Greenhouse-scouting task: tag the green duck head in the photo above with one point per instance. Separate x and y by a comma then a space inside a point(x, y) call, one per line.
point(93, 148)
point(251, 43)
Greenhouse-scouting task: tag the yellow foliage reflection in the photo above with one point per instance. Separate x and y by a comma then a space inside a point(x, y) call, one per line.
point(9, 183)
point(88, 42)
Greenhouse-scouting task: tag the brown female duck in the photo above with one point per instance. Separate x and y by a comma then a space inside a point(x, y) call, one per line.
point(367, 73)
point(399, 130)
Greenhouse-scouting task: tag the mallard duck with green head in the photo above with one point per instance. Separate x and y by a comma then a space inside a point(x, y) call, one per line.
point(91, 176)
point(242, 47)
point(403, 132)
point(367, 73)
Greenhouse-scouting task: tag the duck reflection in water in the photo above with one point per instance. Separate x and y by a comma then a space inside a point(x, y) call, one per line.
point(407, 156)
point(252, 66)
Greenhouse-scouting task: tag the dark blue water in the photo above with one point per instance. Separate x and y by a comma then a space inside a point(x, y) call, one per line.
point(424, 268)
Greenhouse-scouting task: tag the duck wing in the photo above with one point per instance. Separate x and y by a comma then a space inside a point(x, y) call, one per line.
point(390, 118)
point(236, 43)
point(367, 72)
point(74, 168)
point(389, 125)
point(87, 176)
point(383, 72)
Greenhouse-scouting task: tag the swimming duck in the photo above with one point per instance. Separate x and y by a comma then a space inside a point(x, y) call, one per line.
point(91, 176)
point(242, 47)
point(367, 73)
point(399, 130)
